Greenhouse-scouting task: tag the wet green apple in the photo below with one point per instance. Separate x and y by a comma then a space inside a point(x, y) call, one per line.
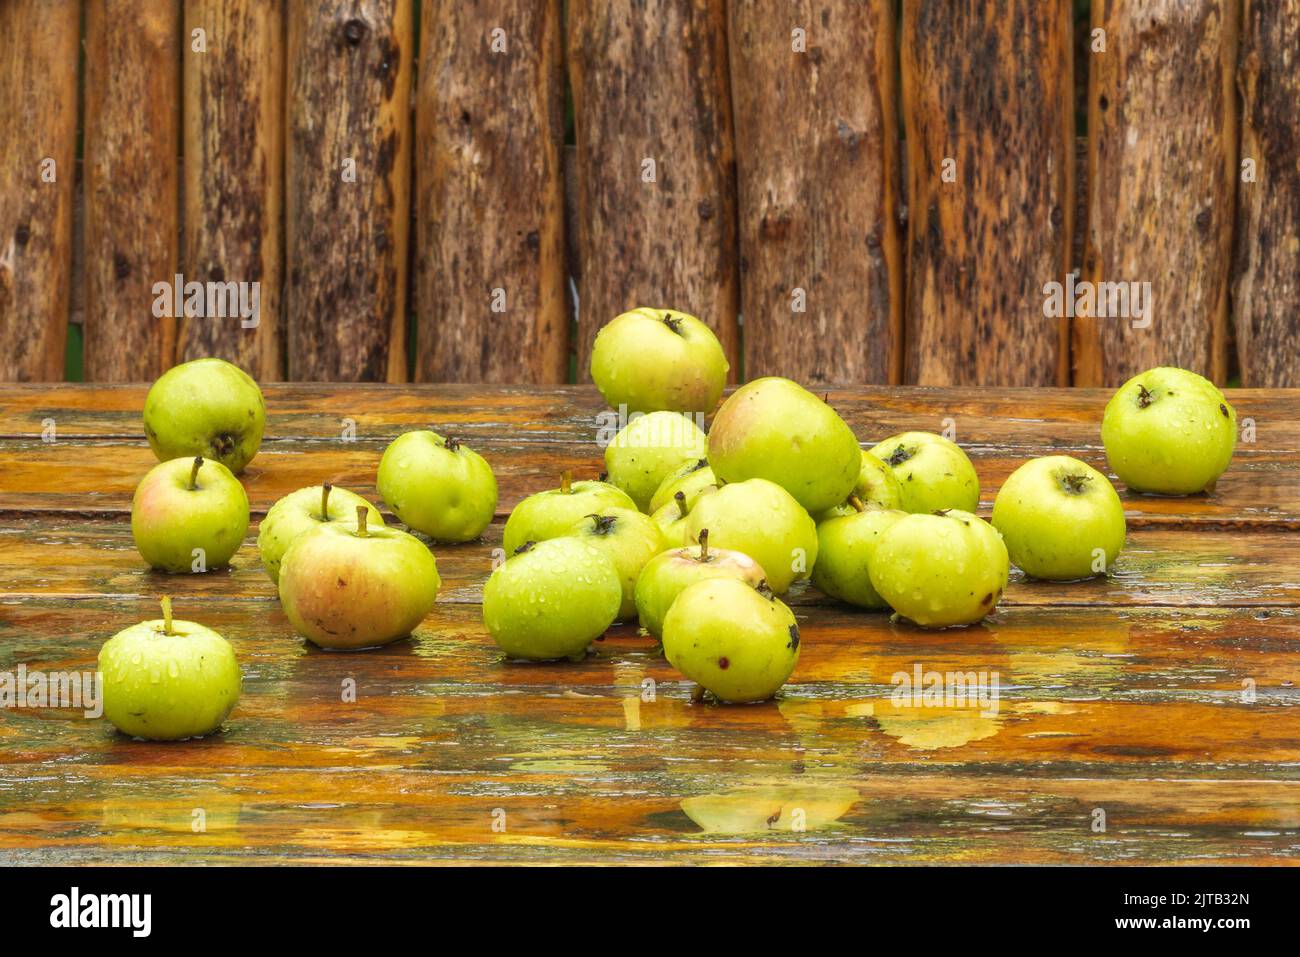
point(731, 639)
point(763, 520)
point(669, 573)
point(1061, 519)
point(189, 515)
point(168, 679)
point(552, 513)
point(354, 586)
point(775, 429)
point(629, 539)
point(302, 511)
point(690, 479)
point(933, 472)
point(649, 449)
point(1169, 431)
point(877, 485)
point(674, 520)
point(648, 360)
point(551, 599)
point(846, 548)
point(207, 407)
point(438, 486)
point(942, 569)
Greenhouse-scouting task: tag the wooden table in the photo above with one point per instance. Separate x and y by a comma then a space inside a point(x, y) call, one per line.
point(1121, 696)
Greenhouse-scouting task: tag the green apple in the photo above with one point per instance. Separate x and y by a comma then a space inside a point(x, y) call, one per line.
point(948, 568)
point(189, 515)
point(691, 479)
point(763, 520)
point(169, 679)
point(669, 573)
point(933, 472)
point(352, 586)
point(650, 360)
point(877, 485)
point(551, 599)
point(438, 486)
point(846, 548)
point(206, 407)
point(1169, 431)
point(775, 429)
point(731, 639)
point(302, 511)
point(629, 540)
point(674, 521)
point(649, 449)
point(552, 513)
point(1061, 519)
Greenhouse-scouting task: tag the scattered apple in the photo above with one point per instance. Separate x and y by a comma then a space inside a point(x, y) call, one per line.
point(877, 485)
point(947, 568)
point(1169, 431)
point(551, 599)
point(846, 548)
point(552, 513)
point(649, 449)
point(673, 520)
point(763, 520)
point(302, 511)
point(649, 360)
point(206, 407)
point(933, 472)
point(731, 639)
point(168, 679)
point(438, 486)
point(775, 429)
point(189, 515)
point(691, 479)
point(629, 540)
point(667, 574)
point(353, 586)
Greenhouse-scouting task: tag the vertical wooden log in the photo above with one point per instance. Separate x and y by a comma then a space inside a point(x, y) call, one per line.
point(234, 164)
point(657, 202)
point(1162, 171)
point(132, 103)
point(988, 104)
point(813, 90)
point(348, 162)
point(39, 46)
point(1266, 306)
point(490, 264)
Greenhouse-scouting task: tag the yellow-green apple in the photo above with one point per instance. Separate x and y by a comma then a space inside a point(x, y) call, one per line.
point(629, 539)
point(691, 479)
point(189, 515)
point(552, 513)
point(302, 511)
point(207, 407)
point(438, 486)
point(933, 472)
point(667, 574)
point(648, 360)
point(846, 547)
point(763, 520)
point(650, 448)
point(877, 485)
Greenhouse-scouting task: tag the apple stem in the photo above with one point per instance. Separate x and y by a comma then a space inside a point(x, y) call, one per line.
point(857, 503)
point(680, 499)
point(194, 472)
point(704, 543)
point(325, 502)
point(167, 615)
point(361, 522)
point(566, 481)
point(451, 445)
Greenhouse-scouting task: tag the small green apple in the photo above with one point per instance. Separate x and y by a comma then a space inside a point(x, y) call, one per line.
point(1169, 431)
point(353, 586)
point(629, 539)
point(763, 520)
point(651, 360)
point(1061, 519)
point(302, 511)
point(846, 548)
point(667, 574)
point(551, 599)
point(552, 513)
point(933, 472)
point(438, 486)
point(877, 485)
point(775, 429)
point(947, 568)
point(731, 639)
point(650, 448)
point(206, 407)
point(691, 479)
point(169, 679)
point(189, 515)
point(674, 521)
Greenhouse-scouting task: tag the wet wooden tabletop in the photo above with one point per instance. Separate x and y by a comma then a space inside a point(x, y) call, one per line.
point(1150, 717)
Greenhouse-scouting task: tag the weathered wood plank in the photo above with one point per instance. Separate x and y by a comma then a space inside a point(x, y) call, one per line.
point(989, 109)
point(132, 120)
point(814, 87)
point(1162, 120)
point(234, 169)
point(39, 46)
point(657, 195)
point(491, 284)
point(348, 165)
point(1267, 285)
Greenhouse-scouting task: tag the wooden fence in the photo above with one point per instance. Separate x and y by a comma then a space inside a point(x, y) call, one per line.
point(883, 191)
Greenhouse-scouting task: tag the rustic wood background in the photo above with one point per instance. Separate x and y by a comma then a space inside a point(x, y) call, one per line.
point(775, 167)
